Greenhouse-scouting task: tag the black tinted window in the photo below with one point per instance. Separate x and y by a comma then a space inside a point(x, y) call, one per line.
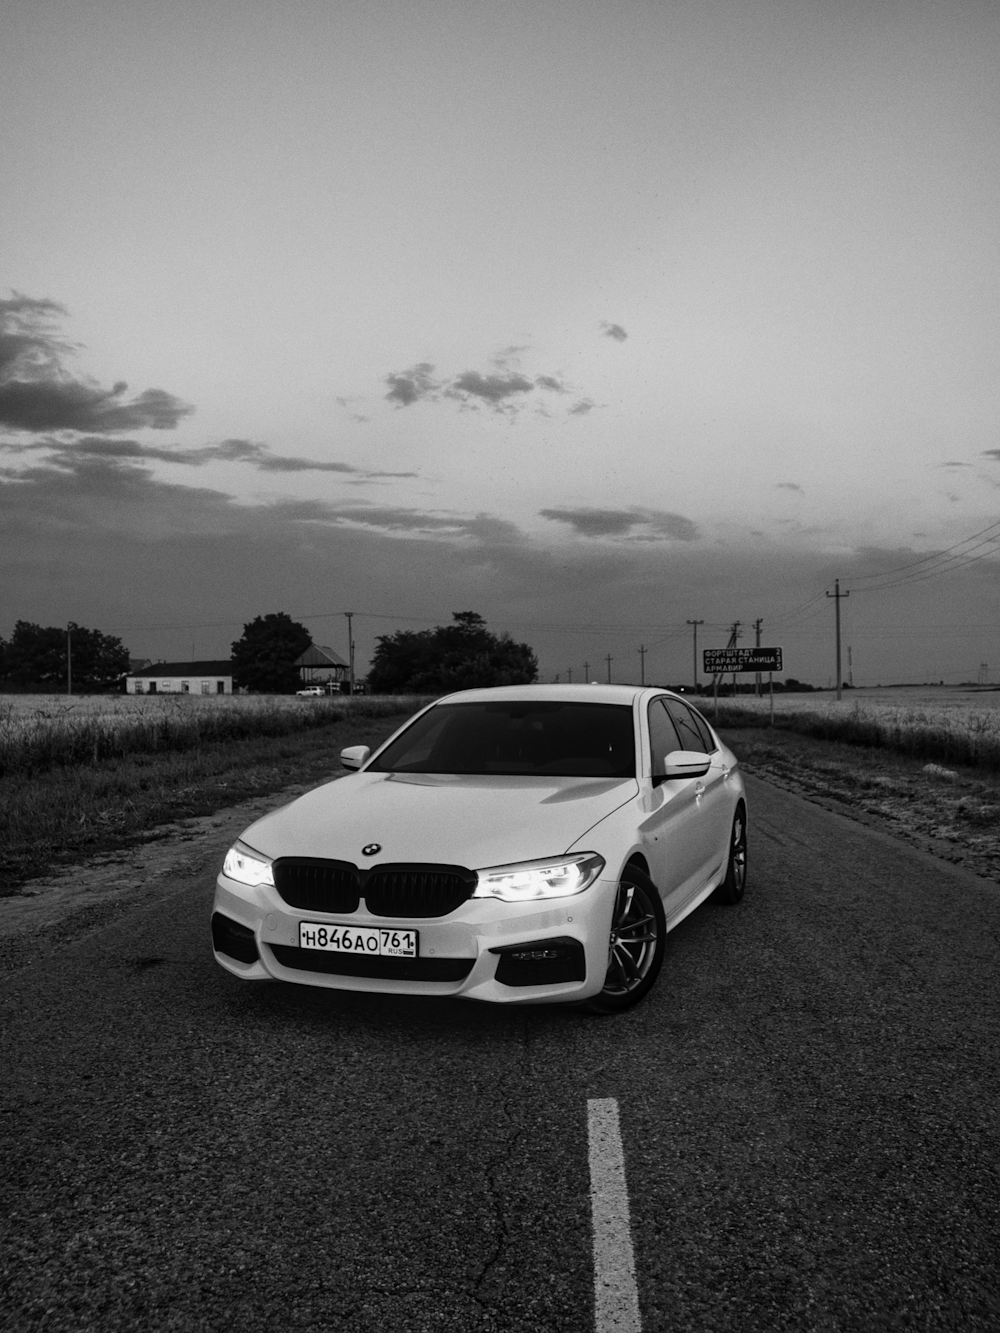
point(687, 730)
point(662, 736)
point(561, 739)
point(704, 729)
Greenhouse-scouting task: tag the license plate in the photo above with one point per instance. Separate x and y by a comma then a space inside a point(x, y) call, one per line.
point(374, 940)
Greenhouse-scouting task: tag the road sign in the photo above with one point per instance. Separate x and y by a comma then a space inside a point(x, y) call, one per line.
point(718, 660)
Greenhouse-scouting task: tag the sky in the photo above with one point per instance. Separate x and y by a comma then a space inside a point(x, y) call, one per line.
point(597, 319)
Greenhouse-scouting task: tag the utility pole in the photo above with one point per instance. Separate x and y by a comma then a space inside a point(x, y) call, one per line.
point(837, 595)
point(757, 624)
point(735, 634)
point(69, 657)
point(569, 675)
point(642, 664)
point(609, 659)
point(850, 668)
point(586, 673)
point(350, 653)
point(695, 623)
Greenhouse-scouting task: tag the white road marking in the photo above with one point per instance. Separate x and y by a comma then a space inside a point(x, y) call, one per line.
point(616, 1298)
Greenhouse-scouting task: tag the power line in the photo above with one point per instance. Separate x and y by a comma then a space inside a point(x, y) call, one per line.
point(953, 563)
point(935, 555)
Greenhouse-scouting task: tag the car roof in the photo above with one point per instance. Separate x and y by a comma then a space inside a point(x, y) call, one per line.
point(590, 694)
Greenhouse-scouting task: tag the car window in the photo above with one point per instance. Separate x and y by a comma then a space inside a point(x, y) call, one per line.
point(687, 730)
point(562, 739)
point(704, 729)
point(663, 736)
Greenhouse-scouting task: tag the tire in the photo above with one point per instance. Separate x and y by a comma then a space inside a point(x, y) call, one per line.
point(732, 888)
point(635, 948)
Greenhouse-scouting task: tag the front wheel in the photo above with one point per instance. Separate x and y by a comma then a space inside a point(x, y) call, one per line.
point(636, 944)
point(731, 890)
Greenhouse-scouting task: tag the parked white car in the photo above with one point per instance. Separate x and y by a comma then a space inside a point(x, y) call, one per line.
point(525, 844)
point(311, 691)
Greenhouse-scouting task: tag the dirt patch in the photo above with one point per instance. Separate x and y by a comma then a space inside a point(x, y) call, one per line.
point(951, 812)
point(49, 910)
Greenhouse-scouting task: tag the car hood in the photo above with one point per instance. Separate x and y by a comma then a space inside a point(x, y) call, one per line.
point(443, 818)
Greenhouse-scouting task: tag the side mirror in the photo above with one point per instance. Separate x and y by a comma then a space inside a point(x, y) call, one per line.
point(354, 756)
point(685, 764)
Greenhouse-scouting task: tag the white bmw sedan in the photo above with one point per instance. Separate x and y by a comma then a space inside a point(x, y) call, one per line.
point(522, 844)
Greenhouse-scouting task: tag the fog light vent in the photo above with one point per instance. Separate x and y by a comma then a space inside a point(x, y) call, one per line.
point(234, 940)
point(541, 962)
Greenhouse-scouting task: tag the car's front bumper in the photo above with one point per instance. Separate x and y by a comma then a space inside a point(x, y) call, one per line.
point(469, 937)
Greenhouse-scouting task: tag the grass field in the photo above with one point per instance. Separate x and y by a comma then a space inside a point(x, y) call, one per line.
point(92, 773)
point(159, 765)
point(947, 725)
point(43, 731)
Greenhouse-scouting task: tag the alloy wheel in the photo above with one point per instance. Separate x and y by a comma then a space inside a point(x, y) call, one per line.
point(634, 935)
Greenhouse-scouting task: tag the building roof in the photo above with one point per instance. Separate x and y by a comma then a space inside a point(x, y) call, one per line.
point(188, 669)
point(319, 656)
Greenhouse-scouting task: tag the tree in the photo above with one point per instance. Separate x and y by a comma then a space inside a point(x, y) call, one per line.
point(264, 658)
point(37, 655)
point(460, 656)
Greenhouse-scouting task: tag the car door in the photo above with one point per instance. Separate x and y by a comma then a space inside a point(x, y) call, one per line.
point(671, 827)
point(714, 798)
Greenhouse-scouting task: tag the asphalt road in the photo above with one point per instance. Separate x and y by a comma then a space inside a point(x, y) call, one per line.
point(808, 1101)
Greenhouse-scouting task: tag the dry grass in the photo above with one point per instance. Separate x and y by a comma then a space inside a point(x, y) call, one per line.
point(951, 727)
point(42, 732)
point(72, 811)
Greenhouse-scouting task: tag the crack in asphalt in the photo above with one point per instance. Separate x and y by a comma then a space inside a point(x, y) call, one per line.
point(494, 1167)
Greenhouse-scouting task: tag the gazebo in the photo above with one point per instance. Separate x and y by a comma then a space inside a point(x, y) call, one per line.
point(320, 665)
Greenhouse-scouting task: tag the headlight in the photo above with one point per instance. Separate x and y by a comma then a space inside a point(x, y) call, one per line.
point(247, 867)
point(559, 877)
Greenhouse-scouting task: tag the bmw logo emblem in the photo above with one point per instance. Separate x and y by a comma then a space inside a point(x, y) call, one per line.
point(371, 848)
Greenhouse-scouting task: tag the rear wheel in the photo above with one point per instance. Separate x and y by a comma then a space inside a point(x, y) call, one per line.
point(636, 944)
point(732, 888)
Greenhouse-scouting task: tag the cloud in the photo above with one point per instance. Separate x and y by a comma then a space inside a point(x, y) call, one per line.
point(997, 451)
point(504, 391)
point(407, 387)
point(117, 481)
point(247, 451)
point(992, 453)
point(62, 453)
point(613, 331)
point(582, 407)
point(497, 391)
point(393, 520)
point(789, 486)
point(41, 405)
point(636, 524)
point(38, 394)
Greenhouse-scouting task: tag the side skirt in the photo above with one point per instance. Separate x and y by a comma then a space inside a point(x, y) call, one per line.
point(696, 900)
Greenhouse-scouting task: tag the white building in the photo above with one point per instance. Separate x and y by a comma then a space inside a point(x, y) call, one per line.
point(182, 678)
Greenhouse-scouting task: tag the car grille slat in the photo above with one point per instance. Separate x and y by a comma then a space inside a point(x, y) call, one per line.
point(315, 885)
point(417, 890)
point(336, 887)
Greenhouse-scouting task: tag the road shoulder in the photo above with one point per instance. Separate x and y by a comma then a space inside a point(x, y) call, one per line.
point(952, 814)
point(47, 912)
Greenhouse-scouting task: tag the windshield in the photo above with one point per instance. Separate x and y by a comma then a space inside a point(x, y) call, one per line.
point(558, 739)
